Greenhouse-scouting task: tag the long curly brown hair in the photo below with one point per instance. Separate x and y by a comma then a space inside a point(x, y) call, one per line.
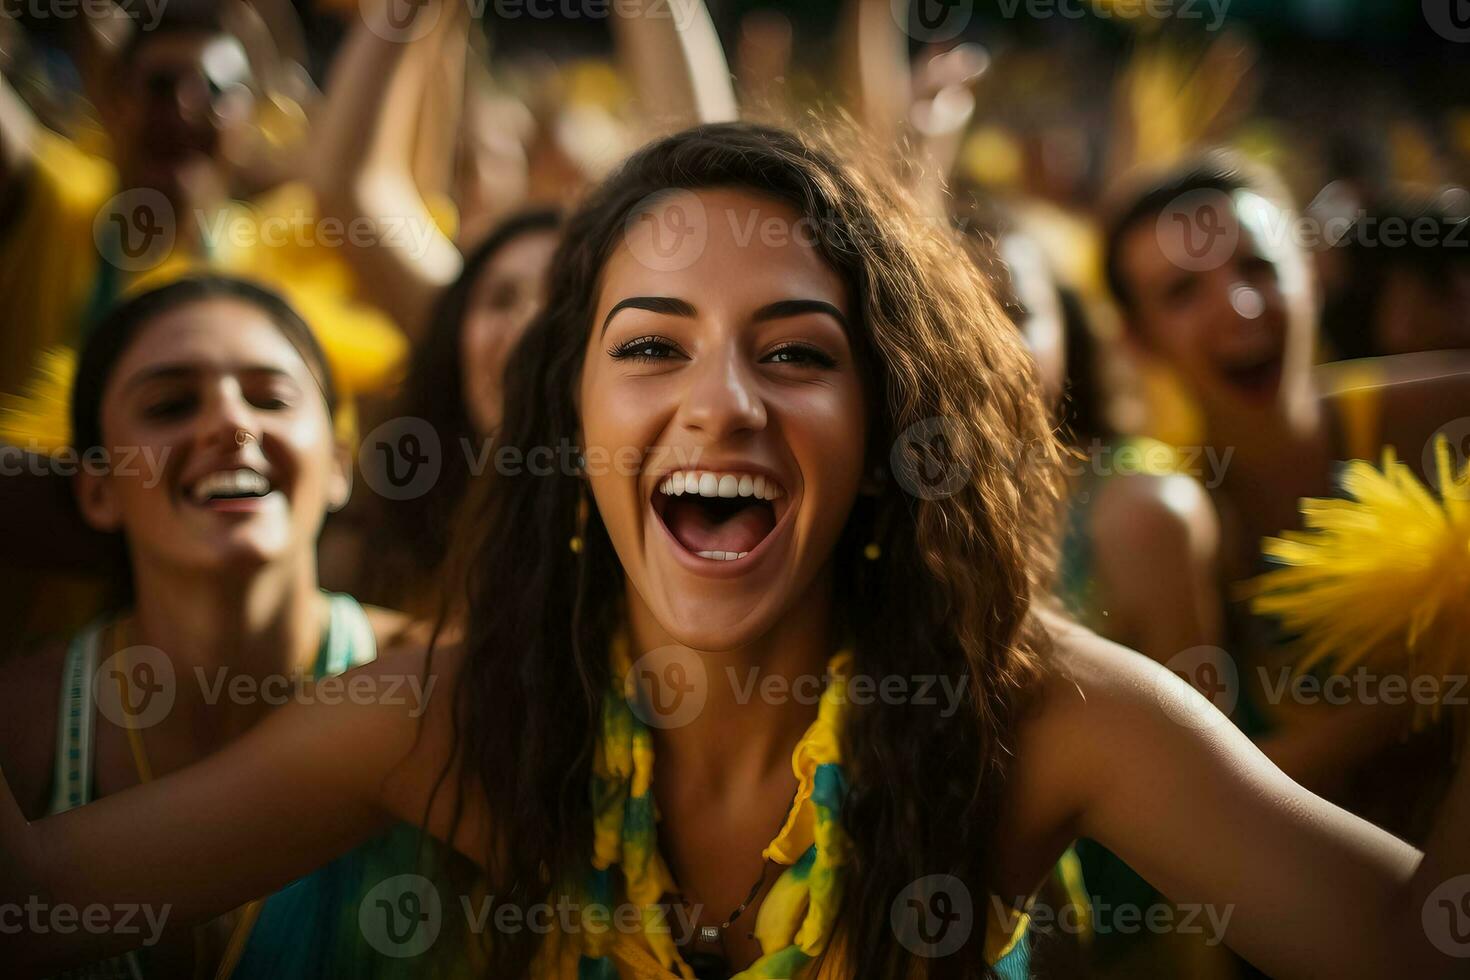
point(963, 555)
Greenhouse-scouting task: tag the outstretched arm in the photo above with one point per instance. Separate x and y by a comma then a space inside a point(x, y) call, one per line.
point(671, 51)
point(305, 785)
point(1125, 752)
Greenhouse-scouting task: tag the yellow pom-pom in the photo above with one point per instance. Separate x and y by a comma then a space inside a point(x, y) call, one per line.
point(1382, 578)
point(39, 419)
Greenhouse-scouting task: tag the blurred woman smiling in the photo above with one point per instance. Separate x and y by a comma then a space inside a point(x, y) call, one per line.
point(223, 384)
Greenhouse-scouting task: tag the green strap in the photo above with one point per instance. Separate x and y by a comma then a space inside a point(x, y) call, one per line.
point(71, 779)
point(348, 641)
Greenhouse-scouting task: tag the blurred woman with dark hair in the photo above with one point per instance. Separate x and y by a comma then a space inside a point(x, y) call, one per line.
point(456, 383)
point(213, 407)
point(1205, 264)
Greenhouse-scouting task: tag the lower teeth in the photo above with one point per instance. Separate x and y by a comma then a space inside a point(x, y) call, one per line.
point(722, 555)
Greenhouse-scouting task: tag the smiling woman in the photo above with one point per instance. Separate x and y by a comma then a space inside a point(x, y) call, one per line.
point(160, 373)
point(849, 415)
point(222, 383)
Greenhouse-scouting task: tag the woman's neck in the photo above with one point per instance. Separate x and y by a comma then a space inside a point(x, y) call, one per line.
point(1276, 459)
point(264, 625)
point(758, 699)
point(1270, 446)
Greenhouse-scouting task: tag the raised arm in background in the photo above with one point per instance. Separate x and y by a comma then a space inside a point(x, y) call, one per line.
point(928, 109)
point(376, 142)
point(364, 151)
point(873, 69)
point(670, 51)
point(17, 130)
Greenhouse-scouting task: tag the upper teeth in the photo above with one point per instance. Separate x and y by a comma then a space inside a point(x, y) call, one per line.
point(230, 482)
point(707, 484)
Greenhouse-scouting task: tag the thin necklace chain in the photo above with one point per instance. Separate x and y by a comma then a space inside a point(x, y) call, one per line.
point(749, 898)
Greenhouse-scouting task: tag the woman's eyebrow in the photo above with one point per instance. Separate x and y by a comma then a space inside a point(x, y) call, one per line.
point(797, 307)
point(173, 372)
point(654, 304)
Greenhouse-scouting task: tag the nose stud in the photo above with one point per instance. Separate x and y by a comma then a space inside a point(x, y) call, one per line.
point(243, 436)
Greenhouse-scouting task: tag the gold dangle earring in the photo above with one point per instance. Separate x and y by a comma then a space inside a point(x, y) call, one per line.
point(872, 551)
point(579, 535)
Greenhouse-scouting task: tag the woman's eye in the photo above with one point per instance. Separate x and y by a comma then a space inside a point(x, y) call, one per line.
point(800, 354)
point(1181, 290)
point(644, 349)
point(502, 297)
point(169, 408)
point(271, 400)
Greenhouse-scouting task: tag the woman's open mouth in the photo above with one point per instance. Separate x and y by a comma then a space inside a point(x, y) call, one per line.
point(1256, 377)
point(719, 516)
point(239, 490)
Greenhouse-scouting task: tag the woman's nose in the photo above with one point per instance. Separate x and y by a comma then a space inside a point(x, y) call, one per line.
point(723, 398)
point(225, 416)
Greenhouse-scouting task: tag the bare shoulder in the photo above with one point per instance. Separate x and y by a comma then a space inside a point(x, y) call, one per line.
point(390, 626)
point(1100, 714)
point(1092, 684)
point(30, 698)
point(425, 786)
point(1098, 707)
point(415, 675)
point(401, 631)
point(413, 647)
point(1146, 508)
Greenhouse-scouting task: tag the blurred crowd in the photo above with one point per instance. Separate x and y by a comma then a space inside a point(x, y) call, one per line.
point(1235, 237)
